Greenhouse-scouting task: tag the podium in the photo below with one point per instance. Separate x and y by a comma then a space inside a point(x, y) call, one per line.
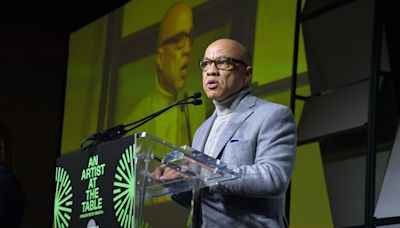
point(106, 185)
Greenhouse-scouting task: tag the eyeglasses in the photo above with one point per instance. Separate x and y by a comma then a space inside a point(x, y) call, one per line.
point(180, 39)
point(222, 63)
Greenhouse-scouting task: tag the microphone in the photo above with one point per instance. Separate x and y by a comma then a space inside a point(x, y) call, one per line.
point(183, 101)
point(196, 95)
point(194, 102)
point(119, 130)
point(106, 135)
point(197, 102)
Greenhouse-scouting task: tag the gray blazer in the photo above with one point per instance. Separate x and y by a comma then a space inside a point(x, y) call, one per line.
point(259, 141)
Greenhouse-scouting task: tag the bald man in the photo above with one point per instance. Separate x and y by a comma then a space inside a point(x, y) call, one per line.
point(172, 58)
point(174, 45)
point(253, 136)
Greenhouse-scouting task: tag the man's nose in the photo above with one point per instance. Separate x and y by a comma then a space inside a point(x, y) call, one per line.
point(212, 70)
point(186, 47)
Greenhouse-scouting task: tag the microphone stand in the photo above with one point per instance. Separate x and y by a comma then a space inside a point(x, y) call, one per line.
point(119, 130)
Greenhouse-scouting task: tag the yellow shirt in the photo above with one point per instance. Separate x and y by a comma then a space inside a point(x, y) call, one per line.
point(173, 125)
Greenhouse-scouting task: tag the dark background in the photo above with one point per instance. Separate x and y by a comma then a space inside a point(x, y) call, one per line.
point(33, 62)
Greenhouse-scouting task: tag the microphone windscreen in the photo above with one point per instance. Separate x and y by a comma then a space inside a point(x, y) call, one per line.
point(197, 102)
point(196, 95)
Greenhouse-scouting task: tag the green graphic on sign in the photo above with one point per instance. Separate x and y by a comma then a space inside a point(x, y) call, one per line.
point(62, 199)
point(124, 188)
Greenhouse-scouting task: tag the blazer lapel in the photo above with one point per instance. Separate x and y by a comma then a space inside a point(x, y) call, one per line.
point(242, 112)
point(203, 133)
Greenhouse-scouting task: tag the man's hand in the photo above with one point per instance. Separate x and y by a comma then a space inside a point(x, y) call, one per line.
point(163, 172)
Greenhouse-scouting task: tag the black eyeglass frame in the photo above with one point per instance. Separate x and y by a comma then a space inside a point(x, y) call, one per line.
point(179, 39)
point(230, 60)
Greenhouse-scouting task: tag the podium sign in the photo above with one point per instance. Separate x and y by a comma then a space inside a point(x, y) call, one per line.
point(106, 185)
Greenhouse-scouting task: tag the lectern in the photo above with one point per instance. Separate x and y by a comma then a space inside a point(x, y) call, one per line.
point(106, 185)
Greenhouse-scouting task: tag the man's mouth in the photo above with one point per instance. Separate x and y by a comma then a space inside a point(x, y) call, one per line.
point(212, 84)
point(184, 71)
point(184, 66)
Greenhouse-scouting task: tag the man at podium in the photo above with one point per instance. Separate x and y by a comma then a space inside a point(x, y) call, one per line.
point(251, 135)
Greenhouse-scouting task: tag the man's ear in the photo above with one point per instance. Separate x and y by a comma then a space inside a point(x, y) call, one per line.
point(160, 58)
point(248, 74)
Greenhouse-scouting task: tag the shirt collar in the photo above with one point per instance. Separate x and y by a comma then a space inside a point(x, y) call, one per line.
point(229, 104)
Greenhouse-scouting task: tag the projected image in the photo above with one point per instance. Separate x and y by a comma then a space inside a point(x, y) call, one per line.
point(174, 43)
point(132, 63)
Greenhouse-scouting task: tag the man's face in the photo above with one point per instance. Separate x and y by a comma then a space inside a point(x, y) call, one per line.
point(173, 56)
point(219, 84)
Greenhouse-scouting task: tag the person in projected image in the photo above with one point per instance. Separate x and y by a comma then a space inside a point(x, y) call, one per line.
point(252, 136)
point(172, 59)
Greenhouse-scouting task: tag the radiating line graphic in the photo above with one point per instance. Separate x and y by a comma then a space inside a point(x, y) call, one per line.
point(124, 188)
point(62, 199)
